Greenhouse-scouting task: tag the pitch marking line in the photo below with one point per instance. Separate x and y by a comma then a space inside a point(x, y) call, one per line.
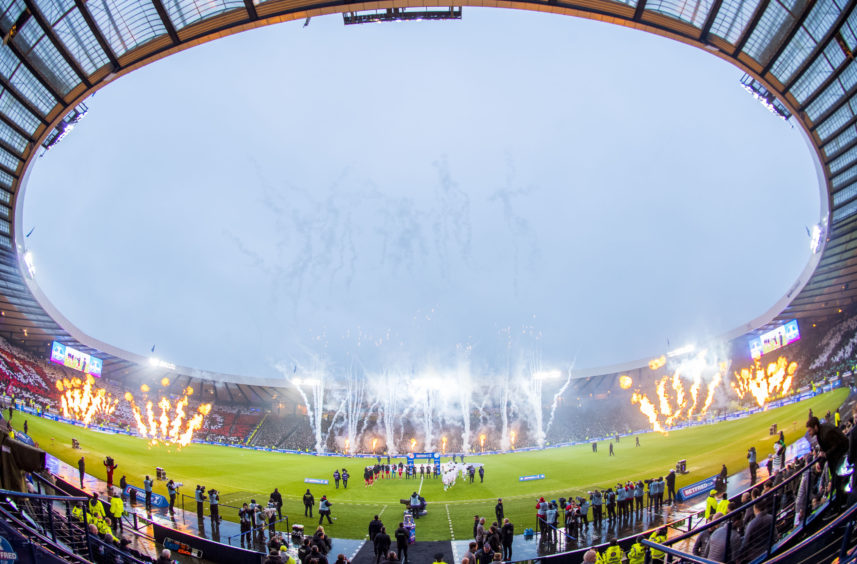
point(420, 490)
point(449, 519)
point(358, 548)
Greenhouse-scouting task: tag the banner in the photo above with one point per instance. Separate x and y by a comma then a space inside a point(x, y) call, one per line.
point(696, 489)
point(182, 548)
point(316, 481)
point(157, 499)
point(24, 438)
point(532, 477)
point(7, 553)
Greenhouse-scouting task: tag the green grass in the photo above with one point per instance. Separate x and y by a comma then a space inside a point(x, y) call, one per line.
point(240, 474)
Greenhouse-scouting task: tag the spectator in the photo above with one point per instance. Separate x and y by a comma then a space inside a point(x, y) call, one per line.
point(165, 557)
point(717, 542)
point(756, 534)
point(375, 526)
point(322, 541)
point(402, 542)
point(382, 544)
point(470, 555)
point(507, 535)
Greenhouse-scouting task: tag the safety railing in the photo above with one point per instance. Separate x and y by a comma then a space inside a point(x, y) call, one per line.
point(48, 520)
point(252, 533)
point(757, 527)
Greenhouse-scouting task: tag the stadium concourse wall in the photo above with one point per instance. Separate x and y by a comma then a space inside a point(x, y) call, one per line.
point(799, 395)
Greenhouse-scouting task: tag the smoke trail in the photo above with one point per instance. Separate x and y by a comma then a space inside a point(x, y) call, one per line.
point(355, 390)
point(556, 401)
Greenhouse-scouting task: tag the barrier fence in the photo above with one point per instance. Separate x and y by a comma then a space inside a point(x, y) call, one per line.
point(753, 529)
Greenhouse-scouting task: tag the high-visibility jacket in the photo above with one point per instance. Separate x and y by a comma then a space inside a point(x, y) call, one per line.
point(660, 539)
point(710, 506)
point(613, 555)
point(104, 529)
point(77, 513)
point(117, 508)
point(637, 554)
point(723, 506)
point(96, 509)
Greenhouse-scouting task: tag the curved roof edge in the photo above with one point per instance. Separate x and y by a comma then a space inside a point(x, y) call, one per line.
point(34, 311)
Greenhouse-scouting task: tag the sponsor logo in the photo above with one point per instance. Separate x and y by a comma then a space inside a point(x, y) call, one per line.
point(315, 481)
point(24, 438)
point(531, 477)
point(182, 548)
point(157, 499)
point(7, 553)
point(696, 489)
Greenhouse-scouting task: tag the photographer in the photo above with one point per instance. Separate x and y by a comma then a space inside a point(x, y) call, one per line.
point(595, 499)
point(172, 488)
point(200, 497)
point(214, 504)
point(244, 517)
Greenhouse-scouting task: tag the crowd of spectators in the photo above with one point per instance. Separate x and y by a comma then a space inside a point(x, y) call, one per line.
point(586, 411)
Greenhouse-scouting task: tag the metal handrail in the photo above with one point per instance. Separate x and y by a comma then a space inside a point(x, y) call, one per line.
point(762, 498)
point(12, 493)
point(683, 556)
point(849, 514)
point(257, 528)
point(30, 533)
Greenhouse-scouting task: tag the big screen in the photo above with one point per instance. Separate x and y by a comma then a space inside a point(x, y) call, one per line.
point(775, 339)
point(73, 358)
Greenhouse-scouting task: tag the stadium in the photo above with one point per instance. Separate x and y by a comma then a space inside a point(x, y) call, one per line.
point(72, 400)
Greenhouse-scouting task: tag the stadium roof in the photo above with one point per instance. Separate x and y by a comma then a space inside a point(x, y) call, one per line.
point(799, 55)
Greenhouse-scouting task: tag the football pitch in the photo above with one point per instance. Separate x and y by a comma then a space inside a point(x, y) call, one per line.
point(241, 474)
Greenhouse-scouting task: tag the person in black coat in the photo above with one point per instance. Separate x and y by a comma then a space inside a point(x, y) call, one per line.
point(322, 541)
point(402, 542)
point(278, 500)
point(309, 501)
point(316, 554)
point(304, 550)
point(382, 545)
point(375, 526)
point(81, 468)
point(834, 446)
point(671, 487)
point(498, 510)
point(507, 535)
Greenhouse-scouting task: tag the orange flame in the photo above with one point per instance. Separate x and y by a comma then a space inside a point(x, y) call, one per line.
point(169, 429)
point(765, 383)
point(656, 363)
point(648, 409)
point(671, 405)
point(82, 401)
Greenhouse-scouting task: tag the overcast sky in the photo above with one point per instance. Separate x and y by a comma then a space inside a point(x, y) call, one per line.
point(393, 194)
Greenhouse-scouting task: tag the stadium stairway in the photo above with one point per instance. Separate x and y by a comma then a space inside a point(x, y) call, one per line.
point(249, 440)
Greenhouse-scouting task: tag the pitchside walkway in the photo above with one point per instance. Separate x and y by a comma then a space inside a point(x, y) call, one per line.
point(361, 551)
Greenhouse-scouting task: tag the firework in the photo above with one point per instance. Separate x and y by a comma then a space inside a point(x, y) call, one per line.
point(81, 400)
point(168, 426)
